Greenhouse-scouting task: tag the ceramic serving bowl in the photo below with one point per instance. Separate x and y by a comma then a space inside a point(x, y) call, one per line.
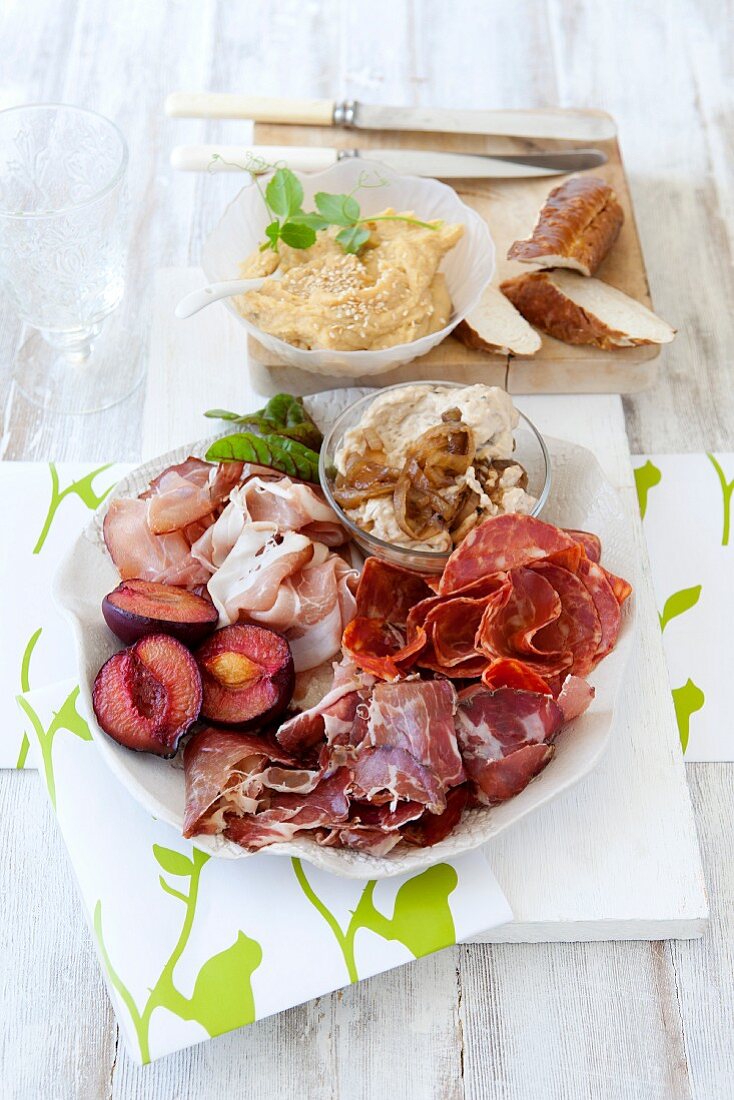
point(530, 451)
point(581, 497)
point(468, 267)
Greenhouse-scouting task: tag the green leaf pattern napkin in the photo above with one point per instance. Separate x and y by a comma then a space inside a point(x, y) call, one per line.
point(193, 946)
point(686, 508)
point(45, 505)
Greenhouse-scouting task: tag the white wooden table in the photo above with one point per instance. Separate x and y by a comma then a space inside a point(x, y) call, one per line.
point(619, 1020)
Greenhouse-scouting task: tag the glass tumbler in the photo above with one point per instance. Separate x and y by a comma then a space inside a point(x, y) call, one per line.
point(63, 248)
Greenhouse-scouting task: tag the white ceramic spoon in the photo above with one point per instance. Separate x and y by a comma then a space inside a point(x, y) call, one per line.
point(199, 299)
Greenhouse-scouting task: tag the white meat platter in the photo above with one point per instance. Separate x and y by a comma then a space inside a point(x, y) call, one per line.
point(581, 497)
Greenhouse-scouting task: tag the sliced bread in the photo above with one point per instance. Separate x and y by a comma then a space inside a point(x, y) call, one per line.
point(496, 326)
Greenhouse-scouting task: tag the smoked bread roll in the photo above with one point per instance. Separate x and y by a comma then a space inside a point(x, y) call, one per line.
point(576, 227)
point(496, 326)
point(578, 310)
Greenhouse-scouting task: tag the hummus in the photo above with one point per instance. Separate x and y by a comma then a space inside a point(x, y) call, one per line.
point(392, 424)
point(391, 293)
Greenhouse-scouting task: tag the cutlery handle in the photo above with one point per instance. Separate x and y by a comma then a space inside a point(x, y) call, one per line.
point(305, 112)
point(234, 158)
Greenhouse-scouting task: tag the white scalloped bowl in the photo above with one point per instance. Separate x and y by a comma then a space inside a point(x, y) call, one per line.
point(581, 497)
point(468, 267)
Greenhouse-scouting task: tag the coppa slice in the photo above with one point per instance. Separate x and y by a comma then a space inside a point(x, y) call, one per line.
point(137, 607)
point(146, 697)
point(247, 675)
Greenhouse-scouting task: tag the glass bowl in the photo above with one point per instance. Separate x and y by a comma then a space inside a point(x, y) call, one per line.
point(530, 451)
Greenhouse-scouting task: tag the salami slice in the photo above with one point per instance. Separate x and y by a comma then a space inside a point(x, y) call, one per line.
point(515, 674)
point(454, 625)
point(590, 542)
point(622, 589)
point(380, 648)
point(607, 607)
point(501, 543)
point(577, 629)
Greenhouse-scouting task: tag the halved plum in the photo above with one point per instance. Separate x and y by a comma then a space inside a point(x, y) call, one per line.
point(146, 697)
point(137, 608)
point(247, 675)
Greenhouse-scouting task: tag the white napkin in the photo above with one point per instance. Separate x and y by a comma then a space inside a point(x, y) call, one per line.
point(193, 946)
point(45, 505)
point(686, 505)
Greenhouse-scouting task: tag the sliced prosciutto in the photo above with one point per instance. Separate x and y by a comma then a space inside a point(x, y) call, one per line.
point(139, 554)
point(405, 745)
point(326, 806)
point(188, 492)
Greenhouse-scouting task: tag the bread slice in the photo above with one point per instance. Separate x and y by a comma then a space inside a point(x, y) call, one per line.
point(496, 326)
point(578, 224)
point(578, 310)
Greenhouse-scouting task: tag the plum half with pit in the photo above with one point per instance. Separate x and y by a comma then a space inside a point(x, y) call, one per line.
point(136, 608)
point(247, 675)
point(146, 697)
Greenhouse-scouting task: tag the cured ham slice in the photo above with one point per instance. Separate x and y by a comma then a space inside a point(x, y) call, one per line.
point(223, 772)
point(432, 828)
point(375, 829)
point(505, 739)
point(331, 717)
point(326, 806)
point(406, 744)
point(188, 492)
point(501, 543)
point(138, 553)
point(574, 697)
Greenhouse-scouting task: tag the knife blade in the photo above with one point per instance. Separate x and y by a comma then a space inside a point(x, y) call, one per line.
point(419, 162)
point(551, 123)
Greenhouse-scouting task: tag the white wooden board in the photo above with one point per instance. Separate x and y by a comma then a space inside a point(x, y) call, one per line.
point(615, 858)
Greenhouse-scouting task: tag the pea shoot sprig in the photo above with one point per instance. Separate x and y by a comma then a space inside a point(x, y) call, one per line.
point(283, 198)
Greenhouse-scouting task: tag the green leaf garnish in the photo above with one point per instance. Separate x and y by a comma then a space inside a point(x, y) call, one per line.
point(283, 415)
point(337, 209)
point(283, 198)
point(284, 193)
point(280, 453)
point(353, 238)
point(297, 235)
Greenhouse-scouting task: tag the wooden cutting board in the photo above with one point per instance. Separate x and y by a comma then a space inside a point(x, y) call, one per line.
point(510, 208)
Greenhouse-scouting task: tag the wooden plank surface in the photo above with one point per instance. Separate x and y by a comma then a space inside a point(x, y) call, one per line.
point(510, 208)
point(652, 884)
point(517, 1022)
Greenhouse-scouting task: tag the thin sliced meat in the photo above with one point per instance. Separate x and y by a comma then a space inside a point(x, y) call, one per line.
point(453, 624)
point(514, 674)
point(291, 506)
point(251, 575)
point(375, 842)
point(596, 583)
point(622, 589)
point(385, 773)
point(374, 829)
point(590, 542)
point(493, 723)
point(511, 630)
point(216, 762)
point(186, 493)
point(574, 697)
point(389, 592)
point(325, 806)
point(417, 718)
point(577, 629)
point(429, 829)
point(380, 648)
point(137, 553)
point(498, 780)
point(302, 732)
point(501, 543)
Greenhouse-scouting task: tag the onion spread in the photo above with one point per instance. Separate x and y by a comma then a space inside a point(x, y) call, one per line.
point(426, 464)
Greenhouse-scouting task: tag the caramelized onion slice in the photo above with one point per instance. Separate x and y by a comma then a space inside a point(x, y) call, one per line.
point(445, 452)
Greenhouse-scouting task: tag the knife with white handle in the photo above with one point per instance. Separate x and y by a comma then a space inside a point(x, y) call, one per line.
point(418, 162)
point(551, 123)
